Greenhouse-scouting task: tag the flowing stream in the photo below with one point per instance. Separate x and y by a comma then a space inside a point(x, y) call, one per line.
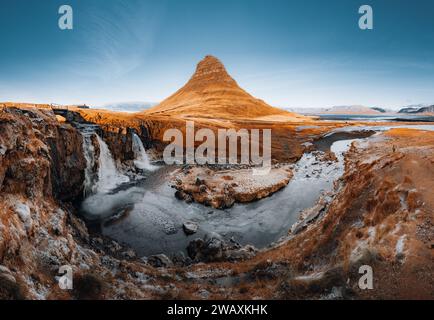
point(154, 224)
point(145, 215)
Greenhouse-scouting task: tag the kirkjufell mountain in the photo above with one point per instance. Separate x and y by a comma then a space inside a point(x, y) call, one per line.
point(212, 92)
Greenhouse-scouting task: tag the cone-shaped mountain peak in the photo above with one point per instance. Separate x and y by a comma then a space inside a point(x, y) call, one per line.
point(210, 69)
point(212, 93)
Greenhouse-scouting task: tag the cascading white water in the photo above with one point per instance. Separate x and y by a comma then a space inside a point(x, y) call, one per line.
point(141, 158)
point(100, 202)
point(108, 175)
point(89, 155)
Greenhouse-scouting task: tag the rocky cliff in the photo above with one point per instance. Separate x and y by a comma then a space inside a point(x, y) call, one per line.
point(41, 164)
point(41, 171)
point(40, 156)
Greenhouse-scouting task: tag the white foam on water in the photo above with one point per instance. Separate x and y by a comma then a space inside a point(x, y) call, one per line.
point(101, 206)
point(108, 175)
point(141, 157)
point(89, 155)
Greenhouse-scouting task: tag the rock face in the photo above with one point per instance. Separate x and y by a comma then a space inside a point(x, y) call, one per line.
point(310, 214)
point(117, 129)
point(42, 167)
point(120, 142)
point(8, 285)
point(41, 162)
point(67, 163)
point(211, 91)
point(40, 156)
point(6, 275)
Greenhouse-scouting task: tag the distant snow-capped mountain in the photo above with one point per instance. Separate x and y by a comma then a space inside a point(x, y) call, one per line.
point(353, 109)
point(419, 108)
point(128, 106)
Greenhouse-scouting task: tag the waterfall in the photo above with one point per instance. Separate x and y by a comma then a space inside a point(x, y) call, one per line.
point(89, 155)
point(142, 160)
point(108, 175)
point(102, 200)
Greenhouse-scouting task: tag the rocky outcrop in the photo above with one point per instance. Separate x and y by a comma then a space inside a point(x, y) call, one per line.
point(212, 249)
point(309, 215)
point(120, 142)
point(160, 261)
point(117, 129)
point(41, 168)
point(323, 143)
point(222, 188)
point(67, 163)
point(286, 142)
point(41, 163)
point(40, 156)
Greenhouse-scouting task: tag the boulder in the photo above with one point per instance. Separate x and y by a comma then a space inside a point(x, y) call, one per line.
point(215, 249)
point(6, 275)
point(180, 259)
point(160, 261)
point(243, 253)
point(190, 227)
point(199, 181)
point(9, 288)
point(129, 254)
point(194, 248)
point(205, 250)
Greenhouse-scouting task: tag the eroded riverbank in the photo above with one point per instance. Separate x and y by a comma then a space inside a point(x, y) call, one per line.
point(150, 219)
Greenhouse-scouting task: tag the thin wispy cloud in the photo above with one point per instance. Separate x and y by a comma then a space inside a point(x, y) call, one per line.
point(290, 53)
point(115, 39)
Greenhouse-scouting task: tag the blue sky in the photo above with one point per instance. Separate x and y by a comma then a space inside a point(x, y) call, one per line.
point(289, 53)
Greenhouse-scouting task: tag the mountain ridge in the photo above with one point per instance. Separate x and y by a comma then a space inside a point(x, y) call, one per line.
point(417, 109)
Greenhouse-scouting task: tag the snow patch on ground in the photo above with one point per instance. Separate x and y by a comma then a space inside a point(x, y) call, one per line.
point(36, 289)
point(23, 212)
point(399, 248)
point(371, 232)
point(57, 220)
point(363, 245)
point(397, 228)
point(3, 150)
